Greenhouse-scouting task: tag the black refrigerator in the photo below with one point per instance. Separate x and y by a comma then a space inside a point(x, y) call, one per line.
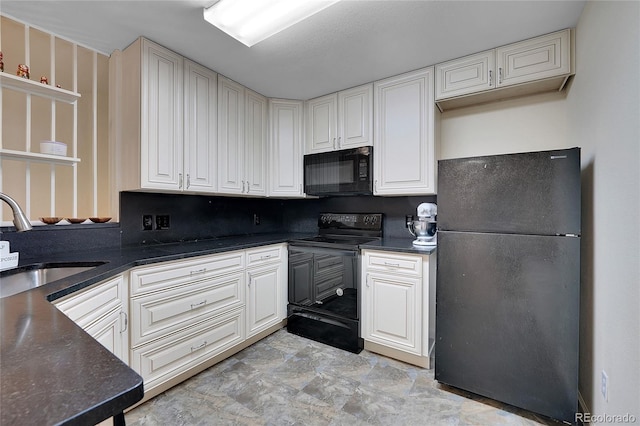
point(508, 279)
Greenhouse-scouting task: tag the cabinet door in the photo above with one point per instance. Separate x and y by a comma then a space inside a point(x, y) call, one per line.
point(263, 300)
point(161, 130)
point(200, 118)
point(321, 124)
point(537, 58)
point(471, 74)
point(111, 332)
point(404, 139)
point(355, 117)
point(392, 313)
point(285, 165)
point(230, 136)
point(256, 131)
point(102, 311)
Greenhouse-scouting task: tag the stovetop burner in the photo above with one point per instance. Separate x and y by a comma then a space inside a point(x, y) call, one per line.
point(345, 230)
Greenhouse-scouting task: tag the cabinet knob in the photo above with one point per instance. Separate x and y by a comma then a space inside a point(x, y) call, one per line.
point(125, 322)
point(188, 180)
point(500, 75)
point(179, 180)
point(490, 78)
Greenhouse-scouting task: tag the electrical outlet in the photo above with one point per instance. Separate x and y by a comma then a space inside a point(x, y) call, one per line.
point(147, 222)
point(256, 219)
point(162, 221)
point(604, 386)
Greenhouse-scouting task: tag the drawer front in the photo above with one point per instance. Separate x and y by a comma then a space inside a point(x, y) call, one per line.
point(391, 262)
point(262, 255)
point(160, 276)
point(160, 361)
point(154, 315)
point(89, 305)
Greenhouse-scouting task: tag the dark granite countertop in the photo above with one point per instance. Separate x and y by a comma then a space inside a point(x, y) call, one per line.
point(398, 244)
point(51, 371)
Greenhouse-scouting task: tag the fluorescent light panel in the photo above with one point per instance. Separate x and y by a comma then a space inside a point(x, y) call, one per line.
point(251, 21)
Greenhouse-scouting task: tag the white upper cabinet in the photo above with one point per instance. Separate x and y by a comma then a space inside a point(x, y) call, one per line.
point(541, 57)
point(531, 66)
point(165, 134)
point(340, 120)
point(285, 148)
point(404, 143)
point(242, 139)
point(230, 136)
point(161, 130)
point(321, 124)
point(200, 118)
point(255, 135)
point(467, 75)
point(355, 117)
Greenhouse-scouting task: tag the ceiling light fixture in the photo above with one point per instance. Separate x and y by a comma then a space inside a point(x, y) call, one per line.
point(251, 21)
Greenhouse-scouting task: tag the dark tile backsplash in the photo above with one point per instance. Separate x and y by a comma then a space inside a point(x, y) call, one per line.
point(195, 217)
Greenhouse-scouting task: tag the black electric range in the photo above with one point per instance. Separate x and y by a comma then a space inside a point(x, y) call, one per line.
point(324, 279)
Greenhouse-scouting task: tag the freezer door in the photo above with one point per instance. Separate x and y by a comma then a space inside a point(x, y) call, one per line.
point(507, 319)
point(531, 193)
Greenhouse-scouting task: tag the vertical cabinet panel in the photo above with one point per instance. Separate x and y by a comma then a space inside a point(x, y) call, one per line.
point(404, 138)
point(264, 288)
point(321, 119)
point(161, 128)
point(230, 135)
point(285, 166)
point(256, 133)
point(200, 119)
point(355, 114)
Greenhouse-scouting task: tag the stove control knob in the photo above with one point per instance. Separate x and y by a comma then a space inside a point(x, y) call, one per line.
point(339, 292)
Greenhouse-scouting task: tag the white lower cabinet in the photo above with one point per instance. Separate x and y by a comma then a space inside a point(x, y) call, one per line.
point(266, 279)
point(163, 359)
point(102, 311)
point(186, 313)
point(398, 305)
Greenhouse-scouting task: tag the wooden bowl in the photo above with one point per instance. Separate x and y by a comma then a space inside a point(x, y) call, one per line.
point(99, 219)
point(50, 220)
point(75, 220)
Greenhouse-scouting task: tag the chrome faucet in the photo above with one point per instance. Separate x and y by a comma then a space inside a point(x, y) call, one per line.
point(19, 218)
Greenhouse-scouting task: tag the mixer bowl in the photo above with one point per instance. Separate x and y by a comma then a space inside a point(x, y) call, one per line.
point(423, 228)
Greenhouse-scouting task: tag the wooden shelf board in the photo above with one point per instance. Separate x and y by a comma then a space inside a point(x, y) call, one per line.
point(36, 88)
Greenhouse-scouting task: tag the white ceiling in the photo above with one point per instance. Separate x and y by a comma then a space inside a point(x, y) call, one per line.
point(350, 43)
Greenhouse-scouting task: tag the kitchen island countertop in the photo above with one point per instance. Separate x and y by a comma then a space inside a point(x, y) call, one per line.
point(51, 371)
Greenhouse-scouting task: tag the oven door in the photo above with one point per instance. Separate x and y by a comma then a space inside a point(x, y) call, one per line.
point(323, 296)
point(326, 279)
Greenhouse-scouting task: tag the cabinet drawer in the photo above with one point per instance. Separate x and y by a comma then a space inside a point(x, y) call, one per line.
point(160, 361)
point(382, 261)
point(89, 305)
point(162, 275)
point(262, 255)
point(160, 313)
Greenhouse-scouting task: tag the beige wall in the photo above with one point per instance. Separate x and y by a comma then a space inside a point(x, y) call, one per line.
point(46, 120)
point(599, 113)
point(604, 116)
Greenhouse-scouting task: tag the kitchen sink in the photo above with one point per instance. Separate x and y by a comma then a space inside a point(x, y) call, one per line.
point(31, 276)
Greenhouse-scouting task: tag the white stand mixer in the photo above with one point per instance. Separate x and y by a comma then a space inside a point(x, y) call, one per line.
point(424, 228)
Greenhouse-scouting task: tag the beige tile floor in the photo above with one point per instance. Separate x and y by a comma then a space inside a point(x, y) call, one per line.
point(289, 380)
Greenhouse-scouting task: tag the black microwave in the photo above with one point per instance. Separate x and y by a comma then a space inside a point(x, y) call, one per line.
point(344, 172)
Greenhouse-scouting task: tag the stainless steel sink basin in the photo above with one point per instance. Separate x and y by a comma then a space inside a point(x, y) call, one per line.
point(31, 276)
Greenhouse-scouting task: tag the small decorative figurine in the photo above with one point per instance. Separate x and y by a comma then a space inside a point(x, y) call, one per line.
point(44, 80)
point(58, 86)
point(23, 71)
point(1, 63)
